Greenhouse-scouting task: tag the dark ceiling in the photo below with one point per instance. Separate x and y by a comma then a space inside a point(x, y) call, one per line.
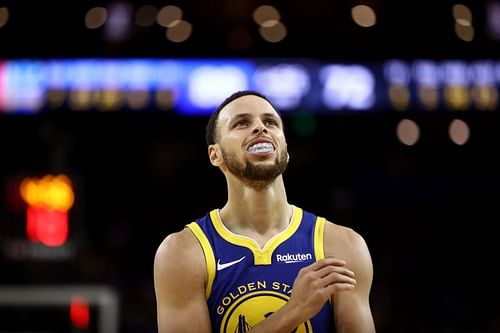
point(316, 28)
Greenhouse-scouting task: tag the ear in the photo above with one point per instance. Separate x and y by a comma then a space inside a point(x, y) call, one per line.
point(214, 154)
point(287, 157)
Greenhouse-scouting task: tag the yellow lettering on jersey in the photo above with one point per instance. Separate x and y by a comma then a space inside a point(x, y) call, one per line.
point(241, 290)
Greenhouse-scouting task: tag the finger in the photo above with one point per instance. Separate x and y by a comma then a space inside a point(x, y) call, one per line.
point(322, 272)
point(337, 278)
point(336, 287)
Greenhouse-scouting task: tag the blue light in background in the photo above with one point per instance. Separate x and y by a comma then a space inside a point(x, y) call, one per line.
point(207, 83)
point(198, 86)
point(23, 88)
point(348, 87)
point(284, 84)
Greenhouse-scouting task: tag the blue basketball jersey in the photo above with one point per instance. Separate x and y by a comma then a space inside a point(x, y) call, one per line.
point(247, 283)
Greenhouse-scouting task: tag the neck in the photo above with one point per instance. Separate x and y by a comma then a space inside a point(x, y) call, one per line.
point(254, 210)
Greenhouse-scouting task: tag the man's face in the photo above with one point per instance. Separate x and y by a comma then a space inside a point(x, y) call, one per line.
point(252, 141)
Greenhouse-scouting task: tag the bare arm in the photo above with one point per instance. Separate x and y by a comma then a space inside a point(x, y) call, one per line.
point(352, 308)
point(179, 280)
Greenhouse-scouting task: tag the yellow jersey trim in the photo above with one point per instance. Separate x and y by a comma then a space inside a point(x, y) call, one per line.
point(262, 256)
point(319, 230)
point(209, 255)
point(319, 242)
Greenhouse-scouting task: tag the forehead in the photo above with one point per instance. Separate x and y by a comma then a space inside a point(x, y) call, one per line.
point(247, 105)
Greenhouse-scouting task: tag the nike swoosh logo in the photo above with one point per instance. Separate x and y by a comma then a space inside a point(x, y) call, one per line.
point(220, 266)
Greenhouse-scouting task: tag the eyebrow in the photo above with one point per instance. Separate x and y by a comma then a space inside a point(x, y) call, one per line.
point(244, 115)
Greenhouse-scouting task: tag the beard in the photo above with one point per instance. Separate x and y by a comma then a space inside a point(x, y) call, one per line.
point(256, 176)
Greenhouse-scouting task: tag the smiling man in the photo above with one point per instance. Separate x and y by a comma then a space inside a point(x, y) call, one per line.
point(259, 263)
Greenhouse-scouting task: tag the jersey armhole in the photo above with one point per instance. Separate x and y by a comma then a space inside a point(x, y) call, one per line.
point(319, 242)
point(209, 255)
point(319, 246)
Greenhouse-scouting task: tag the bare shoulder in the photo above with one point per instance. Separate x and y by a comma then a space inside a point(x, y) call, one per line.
point(180, 277)
point(346, 243)
point(180, 252)
point(178, 243)
point(342, 236)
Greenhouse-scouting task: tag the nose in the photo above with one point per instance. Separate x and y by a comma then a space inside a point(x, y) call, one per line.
point(259, 127)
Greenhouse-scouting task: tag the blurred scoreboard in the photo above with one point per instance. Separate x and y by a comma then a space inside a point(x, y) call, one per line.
point(197, 86)
point(38, 221)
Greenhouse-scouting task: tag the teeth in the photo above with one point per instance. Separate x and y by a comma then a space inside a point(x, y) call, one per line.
point(261, 147)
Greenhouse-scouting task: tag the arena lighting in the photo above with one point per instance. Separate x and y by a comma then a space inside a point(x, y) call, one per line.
point(210, 84)
point(48, 201)
point(348, 86)
point(285, 84)
point(196, 86)
point(493, 19)
point(118, 25)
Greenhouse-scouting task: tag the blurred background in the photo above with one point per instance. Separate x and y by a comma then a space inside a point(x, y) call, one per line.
point(392, 118)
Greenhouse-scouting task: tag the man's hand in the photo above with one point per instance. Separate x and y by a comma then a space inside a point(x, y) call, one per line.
point(316, 283)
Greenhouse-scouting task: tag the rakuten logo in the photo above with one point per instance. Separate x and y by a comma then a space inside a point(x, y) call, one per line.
point(291, 258)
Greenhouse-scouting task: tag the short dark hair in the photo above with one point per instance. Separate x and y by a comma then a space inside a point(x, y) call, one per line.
point(210, 134)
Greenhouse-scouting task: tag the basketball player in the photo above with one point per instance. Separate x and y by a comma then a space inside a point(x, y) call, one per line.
point(259, 263)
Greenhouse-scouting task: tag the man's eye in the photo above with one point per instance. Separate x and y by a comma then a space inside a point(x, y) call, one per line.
point(241, 123)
